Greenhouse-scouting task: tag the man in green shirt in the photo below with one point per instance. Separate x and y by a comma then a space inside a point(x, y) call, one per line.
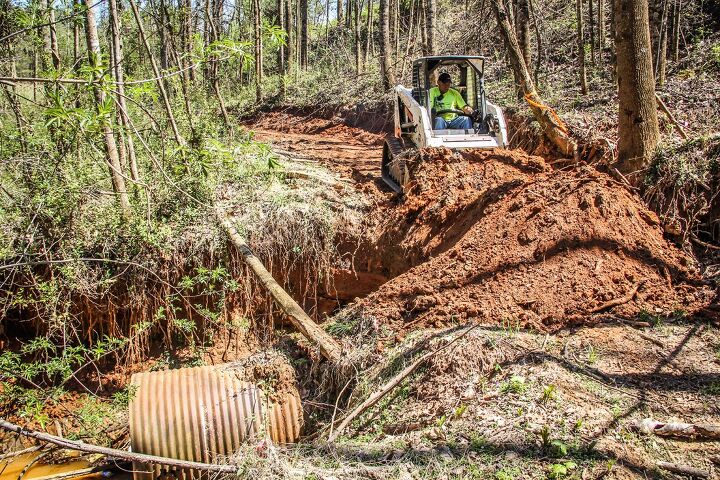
point(443, 97)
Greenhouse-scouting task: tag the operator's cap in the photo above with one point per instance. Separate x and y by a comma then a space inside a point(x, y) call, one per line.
point(444, 77)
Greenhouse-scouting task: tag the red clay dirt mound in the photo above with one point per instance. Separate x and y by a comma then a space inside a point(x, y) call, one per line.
point(501, 237)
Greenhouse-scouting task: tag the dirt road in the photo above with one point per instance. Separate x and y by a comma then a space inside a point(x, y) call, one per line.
point(353, 152)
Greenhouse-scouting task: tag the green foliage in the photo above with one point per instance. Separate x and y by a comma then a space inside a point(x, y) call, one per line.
point(478, 443)
point(511, 326)
point(712, 388)
point(508, 473)
point(342, 327)
point(655, 320)
point(592, 355)
point(715, 52)
point(549, 392)
point(558, 448)
point(545, 437)
point(561, 470)
point(460, 411)
point(274, 34)
point(516, 384)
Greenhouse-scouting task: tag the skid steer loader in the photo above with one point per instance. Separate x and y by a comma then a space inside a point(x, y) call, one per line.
point(414, 116)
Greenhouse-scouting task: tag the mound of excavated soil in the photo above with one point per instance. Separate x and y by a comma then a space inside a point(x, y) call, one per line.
point(501, 237)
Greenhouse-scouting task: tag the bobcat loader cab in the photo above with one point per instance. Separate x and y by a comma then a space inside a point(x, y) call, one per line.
point(414, 116)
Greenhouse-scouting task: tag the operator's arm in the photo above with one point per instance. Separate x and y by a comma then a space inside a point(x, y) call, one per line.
point(461, 104)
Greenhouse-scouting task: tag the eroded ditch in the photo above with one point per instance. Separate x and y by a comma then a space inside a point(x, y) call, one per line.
point(497, 238)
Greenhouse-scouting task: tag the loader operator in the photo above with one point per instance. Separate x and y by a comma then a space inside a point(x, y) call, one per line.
point(443, 97)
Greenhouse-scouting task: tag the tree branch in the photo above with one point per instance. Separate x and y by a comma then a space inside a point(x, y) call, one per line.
point(114, 453)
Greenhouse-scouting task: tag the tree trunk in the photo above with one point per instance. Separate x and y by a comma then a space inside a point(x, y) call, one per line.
point(298, 38)
point(422, 18)
point(50, 55)
point(211, 15)
point(392, 20)
point(386, 67)
point(34, 69)
point(339, 12)
point(160, 84)
point(290, 54)
point(257, 38)
point(661, 57)
point(675, 45)
point(637, 122)
point(7, 49)
point(304, 37)
point(601, 29)
point(591, 28)
point(523, 30)
point(112, 159)
point(551, 124)
point(76, 38)
point(369, 37)
point(162, 34)
point(397, 30)
point(327, 21)
point(581, 46)
point(281, 49)
point(430, 25)
point(538, 40)
point(186, 30)
point(358, 40)
point(613, 49)
point(54, 50)
point(510, 10)
point(410, 34)
point(118, 73)
point(329, 348)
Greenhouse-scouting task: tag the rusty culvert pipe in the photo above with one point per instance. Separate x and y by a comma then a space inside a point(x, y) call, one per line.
point(203, 414)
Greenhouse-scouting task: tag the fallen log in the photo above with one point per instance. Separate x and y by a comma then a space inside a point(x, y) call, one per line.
point(670, 116)
point(390, 385)
point(113, 452)
point(329, 348)
point(683, 470)
point(687, 431)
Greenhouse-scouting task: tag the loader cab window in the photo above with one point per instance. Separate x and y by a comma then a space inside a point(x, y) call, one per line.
point(462, 81)
point(467, 79)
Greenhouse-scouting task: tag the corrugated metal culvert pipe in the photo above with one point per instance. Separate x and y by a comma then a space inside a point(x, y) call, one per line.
point(205, 413)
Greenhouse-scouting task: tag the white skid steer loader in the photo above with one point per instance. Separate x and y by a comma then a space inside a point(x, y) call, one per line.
point(415, 116)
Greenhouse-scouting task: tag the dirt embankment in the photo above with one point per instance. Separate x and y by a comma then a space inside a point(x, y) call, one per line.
point(503, 238)
point(497, 236)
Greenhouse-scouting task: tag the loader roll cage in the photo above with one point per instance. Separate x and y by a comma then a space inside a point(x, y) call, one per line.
point(413, 116)
point(470, 82)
